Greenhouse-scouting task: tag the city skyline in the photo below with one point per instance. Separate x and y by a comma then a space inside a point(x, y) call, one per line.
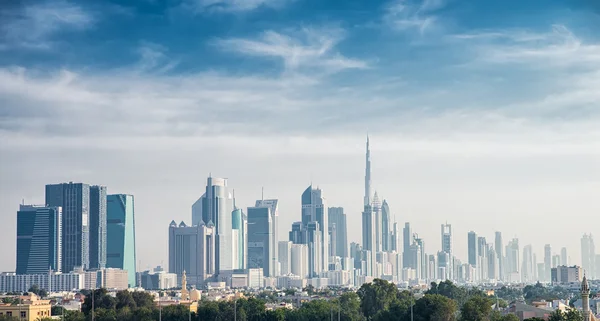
point(484, 119)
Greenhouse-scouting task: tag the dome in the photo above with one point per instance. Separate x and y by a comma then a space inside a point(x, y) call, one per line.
point(195, 295)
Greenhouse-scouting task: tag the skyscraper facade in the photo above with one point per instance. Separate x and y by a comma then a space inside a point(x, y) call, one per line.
point(499, 245)
point(338, 217)
point(98, 227)
point(215, 207)
point(446, 233)
point(120, 235)
point(472, 248)
point(564, 259)
point(239, 225)
point(315, 266)
point(39, 243)
point(407, 242)
point(191, 250)
point(528, 268)
point(273, 205)
point(369, 219)
point(285, 257)
point(74, 198)
point(386, 226)
point(513, 264)
point(314, 209)
point(260, 249)
point(588, 253)
point(547, 262)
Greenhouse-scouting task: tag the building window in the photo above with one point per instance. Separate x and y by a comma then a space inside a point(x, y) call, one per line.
point(23, 314)
point(9, 314)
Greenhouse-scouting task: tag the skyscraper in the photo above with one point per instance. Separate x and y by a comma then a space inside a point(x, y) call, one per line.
point(285, 257)
point(74, 198)
point(369, 221)
point(98, 227)
point(547, 262)
point(315, 255)
point(528, 267)
point(564, 259)
point(260, 237)
point(513, 265)
point(588, 253)
point(314, 209)
point(446, 232)
point(472, 248)
point(191, 250)
point(422, 258)
point(385, 227)
point(500, 253)
point(120, 249)
point(408, 241)
point(378, 230)
point(215, 207)
point(39, 244)
point(338, 217)
point(273, 204)
point(299, 260)
point(239, 224)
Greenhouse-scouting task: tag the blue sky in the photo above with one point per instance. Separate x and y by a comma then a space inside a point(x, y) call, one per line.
point(473, 106)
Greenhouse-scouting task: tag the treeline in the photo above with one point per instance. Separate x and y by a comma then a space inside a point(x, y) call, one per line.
point(376, 301)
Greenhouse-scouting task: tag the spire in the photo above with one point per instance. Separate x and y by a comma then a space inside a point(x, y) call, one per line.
point(368, 175)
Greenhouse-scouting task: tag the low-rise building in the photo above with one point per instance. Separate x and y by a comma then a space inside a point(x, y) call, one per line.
point(29, 308)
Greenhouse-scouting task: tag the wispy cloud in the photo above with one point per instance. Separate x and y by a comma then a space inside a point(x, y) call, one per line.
point(198, 6)
point(406, 15)
point(307, 48)
point(154, 58)
point(34, 26)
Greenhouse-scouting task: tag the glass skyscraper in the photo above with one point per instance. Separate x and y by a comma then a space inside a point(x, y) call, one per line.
point(97, 227)
point(39, 241)
point(260, 249)
point(74, 198)
point(121, 234)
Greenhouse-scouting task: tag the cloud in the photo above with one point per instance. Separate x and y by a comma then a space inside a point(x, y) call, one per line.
point(154, 58)
point(307, 48)
point(232, 5)
point(33, 27)
point(406, 15)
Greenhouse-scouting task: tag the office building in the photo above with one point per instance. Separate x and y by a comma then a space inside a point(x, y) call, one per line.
point(566, 274)
point(39, 239)
point(315, 256)
point(527, 265)
point(446, 233)
point(285, 257)
point(513, 263)
point(98, 227)
point(273, 206)
point(157, 280)
point(422, 265)
point(588, 255)
point(121, 253)
point(74, 198)
point(472, 248)
point(369, 220)
point(298, 233)
point(378, 229)
point(386, 225)
point(547, 262)
point(191, 249)
point(564, 259)
point(395, 247)
point(337, 217)
point(499, 247)
point(215, 207)
point(239, 224)
point(407, 242)
point(299, 260)
point(260, 249)
point(314, 209)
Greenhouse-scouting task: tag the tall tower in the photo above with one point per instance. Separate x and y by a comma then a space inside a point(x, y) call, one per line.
point(447, 248)
point(368, 176)
point(369, 221)
point(585, 299)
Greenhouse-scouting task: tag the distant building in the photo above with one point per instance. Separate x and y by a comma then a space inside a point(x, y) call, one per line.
point(338, 217)
point(108, 278)
point(30, 308)
point(299, 260)
point(314, 209)
point(74, 198)
point(547, 262)
point(285, 257)
point(273, 206)
point(191, 250)
point(121, 252)
point(566, 274)
point(260, 249)
point(39, 239)
point(472, 248)
point(51, 282)
point(157, 280)
point(239, 224)
point(98, 227)
point(588, 255)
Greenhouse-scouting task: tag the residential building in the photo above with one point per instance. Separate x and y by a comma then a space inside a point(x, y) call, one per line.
point(121, 252)
point(285, 257)
point(50, 281)
point(299, 260)
point(39, 239)
point(314, 209)
point(74, 198)
point(547, 262)
point(563, 274)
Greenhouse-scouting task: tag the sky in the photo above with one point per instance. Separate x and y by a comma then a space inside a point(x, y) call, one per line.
point(482, 114)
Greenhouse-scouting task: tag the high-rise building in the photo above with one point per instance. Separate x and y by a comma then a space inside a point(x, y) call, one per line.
point(547, 262)
point(472, 248)
point(298, 233)
point(120, 235)
point(39, 241)
point(588, 255)
point(499, 247)
point(513, 265)
point(482, 264)
point(415, 255)
point(74, 198)
point(299, 260)
point(191, 251)
point(239, 224)
point(527, 265)
point(98, 227)
point(285, 257)
point(422, 258)
point(386, 226)
point(273, 205)
point(315, 254)
point(338, 217)
point(395, 239)
point(446, 232)
point(563, 274)
point(314, 209)
point(260, 249)
point(564, 259)
point(407, 242)
point(369, 219)
point(215, 207)
point(377, 231)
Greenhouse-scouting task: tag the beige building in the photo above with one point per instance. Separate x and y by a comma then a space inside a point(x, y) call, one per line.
point(109, 278)
point(31, 308)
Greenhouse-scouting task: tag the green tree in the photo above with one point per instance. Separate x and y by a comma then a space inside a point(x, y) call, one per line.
point(143, 299)
point(101, 300)
point(125, 299)
point(74, 316)
point(37, 291)
point(477, 308)
point(497, 316)
point(435, 307)
point(376, 296)
point(349, 307)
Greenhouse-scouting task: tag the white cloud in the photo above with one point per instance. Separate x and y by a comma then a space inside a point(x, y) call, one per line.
point(232, 5)
point(32, 27)
point(308, 48)
point(406, 15)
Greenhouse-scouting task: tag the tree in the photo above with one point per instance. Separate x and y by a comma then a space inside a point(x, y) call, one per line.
point(35, 289)
point(125, 299)
point(102, 300)
point(477, 308)
point(143, 299)
point(497, 316)
point(569, 315)
point(434, 307)
point(376, 296)
point(349, 307)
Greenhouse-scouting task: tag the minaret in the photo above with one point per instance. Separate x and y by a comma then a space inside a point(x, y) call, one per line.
point(184, 291)
point(368, 176)
point(585, 299)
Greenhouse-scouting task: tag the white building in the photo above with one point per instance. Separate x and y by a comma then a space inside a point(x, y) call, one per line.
point(52, 282)
point(566, 274)
point(255, 278)
point(299, 260)
point(285, 257)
